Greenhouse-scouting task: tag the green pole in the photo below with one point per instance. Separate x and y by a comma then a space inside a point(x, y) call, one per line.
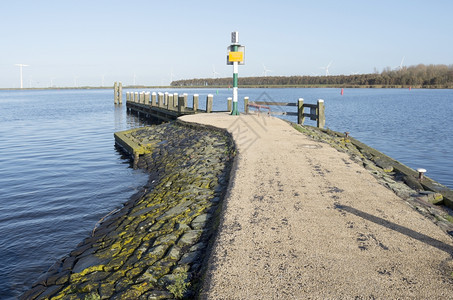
point(234, 47)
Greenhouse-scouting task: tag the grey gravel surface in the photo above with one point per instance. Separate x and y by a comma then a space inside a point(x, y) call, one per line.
point(303, 221)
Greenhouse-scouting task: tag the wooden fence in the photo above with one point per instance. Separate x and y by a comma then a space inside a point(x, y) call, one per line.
point(316, 111)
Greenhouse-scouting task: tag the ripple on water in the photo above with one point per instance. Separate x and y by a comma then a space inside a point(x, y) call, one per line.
point(60, 173)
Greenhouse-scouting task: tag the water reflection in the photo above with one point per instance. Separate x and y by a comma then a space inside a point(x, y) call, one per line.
point(124, 120)
point(118, 117)
point(60, 174)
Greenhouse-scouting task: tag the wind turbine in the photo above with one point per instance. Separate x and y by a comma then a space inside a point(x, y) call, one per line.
point(327, 68)
point(21, 65)
point(400, 67)
point(265, 70)
point(214, 73)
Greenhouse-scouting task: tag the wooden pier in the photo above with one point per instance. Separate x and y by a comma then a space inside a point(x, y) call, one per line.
point(169, 106)
point(165, 106)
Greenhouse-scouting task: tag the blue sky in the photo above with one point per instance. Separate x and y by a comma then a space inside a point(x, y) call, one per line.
point(78, 43)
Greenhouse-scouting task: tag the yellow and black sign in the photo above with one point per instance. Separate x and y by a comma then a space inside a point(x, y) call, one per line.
point(236, 56)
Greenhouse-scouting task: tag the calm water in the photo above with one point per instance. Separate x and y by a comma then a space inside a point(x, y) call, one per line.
point(60, 172)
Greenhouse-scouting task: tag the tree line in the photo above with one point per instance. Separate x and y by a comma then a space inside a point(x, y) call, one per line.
point(423, 76)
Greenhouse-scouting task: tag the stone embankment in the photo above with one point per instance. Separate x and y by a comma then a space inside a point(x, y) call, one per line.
point(153, 248)
point(157, 245)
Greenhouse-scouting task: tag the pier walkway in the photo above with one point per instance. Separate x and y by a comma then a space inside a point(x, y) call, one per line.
point(304, 221)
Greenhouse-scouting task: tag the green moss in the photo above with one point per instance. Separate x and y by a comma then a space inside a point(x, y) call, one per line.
point(88, 287)
point(92, 296)
point(79, 277)
point(114, 264)
point(449, 219)
point(106, 289)
point(64, 293)
point(134, 265)
point(133, 272)
point(179, 287)
point(438, 197)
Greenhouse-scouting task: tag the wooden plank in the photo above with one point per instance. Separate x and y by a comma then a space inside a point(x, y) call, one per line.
point(283, 113)
point(274, 103)
point(311, 105)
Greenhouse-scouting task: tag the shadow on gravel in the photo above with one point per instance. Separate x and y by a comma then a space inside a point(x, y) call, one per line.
point(401, 229)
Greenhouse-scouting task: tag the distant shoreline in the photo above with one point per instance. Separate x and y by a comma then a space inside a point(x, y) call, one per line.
point(241, 86)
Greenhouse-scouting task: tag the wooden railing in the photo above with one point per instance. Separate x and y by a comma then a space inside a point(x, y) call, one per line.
point(164, 106)
point(169, 101)
point(316, 111)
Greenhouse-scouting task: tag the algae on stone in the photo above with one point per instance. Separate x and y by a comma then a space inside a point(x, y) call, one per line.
point(162, 231)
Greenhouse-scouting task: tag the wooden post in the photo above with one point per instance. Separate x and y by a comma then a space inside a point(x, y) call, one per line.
point(166, 99)
point(153, 99)
point(229, 103)
point(321, 116)
point(195, 103)
point(185, 99)
point(171, 103)
point(300, 111)
point(181, 106)
point(136, 159)
point(209, 99)
point(147, 94)
point(120, 93)
point(141, 97)
point(246, 105)
point(128, 97)
point(161, 99)
point(115, 92)
point(136, 97)
point(175, 99)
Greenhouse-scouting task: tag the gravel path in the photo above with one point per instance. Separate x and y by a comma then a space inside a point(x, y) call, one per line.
point(303, 221)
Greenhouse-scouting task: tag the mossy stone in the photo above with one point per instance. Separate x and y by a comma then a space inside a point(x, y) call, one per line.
point(190, 237)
